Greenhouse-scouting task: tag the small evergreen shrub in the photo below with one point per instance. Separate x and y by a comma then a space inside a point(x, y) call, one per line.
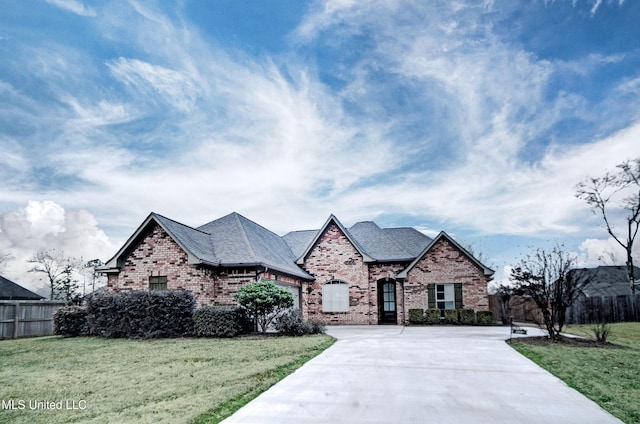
point(141, 314)
point(416, 316)
point(467, 316)
point(291, 324)
point(451, 316)
point(317, 327)
point(70, 321)
point(485, 317)
point(217, 321)
point(433, 316)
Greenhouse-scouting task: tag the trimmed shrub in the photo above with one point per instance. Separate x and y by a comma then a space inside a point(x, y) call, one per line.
point(433, 316)
point(265, 301)
point(217, 321)
point(416, 316)
point(70, 321)
point(467, 316)
point(291, 324)
point(451, 316)
point(141, 314)
point(485, 317)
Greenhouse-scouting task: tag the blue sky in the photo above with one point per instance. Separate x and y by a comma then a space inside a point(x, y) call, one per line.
point(477, 118)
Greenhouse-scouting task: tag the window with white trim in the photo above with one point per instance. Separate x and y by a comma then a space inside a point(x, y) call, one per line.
point(445, 296)
point(335, 296)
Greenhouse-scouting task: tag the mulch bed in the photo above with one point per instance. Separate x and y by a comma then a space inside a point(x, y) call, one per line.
point(565, 341)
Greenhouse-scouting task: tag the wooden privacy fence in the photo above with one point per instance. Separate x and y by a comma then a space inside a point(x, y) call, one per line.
point(591, 310)
point(27, 318)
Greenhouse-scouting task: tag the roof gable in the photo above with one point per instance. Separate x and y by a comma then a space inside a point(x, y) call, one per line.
point(375, 244)
point(488, 272)
point(333, 220)
point(195, 243)
point(12, 291)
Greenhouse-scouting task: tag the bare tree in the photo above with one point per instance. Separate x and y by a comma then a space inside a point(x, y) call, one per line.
point(4, 258)
point(614, 193)
point(543, 276)
point(504, 292)
point(58, 270)
point(92, 266)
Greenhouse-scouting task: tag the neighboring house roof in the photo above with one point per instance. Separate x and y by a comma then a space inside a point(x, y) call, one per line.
point(603, 280)
point(488, 272)
point(12, 291)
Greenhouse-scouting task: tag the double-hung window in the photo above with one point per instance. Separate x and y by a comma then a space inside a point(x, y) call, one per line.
point(445, 296)
point(157, 283)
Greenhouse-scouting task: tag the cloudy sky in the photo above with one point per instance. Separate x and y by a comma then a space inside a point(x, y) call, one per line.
point(473, 117)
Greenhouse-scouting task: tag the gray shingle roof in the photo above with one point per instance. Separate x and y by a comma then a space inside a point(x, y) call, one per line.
point(234, 240)
point(195, 241)
point(12, 291)
point(412, 240)
point(380, 244)
point(604, 280)
point(298, 241)
point(238, 240)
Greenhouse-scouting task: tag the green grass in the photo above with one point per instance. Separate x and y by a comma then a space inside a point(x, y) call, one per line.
point(610, 376)
point(170, 380)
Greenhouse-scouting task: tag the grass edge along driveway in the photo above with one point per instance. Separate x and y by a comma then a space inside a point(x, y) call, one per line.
point(121, 380)
point(610, 375)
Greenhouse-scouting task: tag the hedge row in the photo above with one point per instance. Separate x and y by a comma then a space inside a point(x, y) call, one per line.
point(141, 314)
point(169, 313)
point(451, 316)
point(219, 321)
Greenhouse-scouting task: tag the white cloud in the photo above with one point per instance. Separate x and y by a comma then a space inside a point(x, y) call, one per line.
point(74, 6)
point(597, 252)
point(175, 87)
point(45, 225)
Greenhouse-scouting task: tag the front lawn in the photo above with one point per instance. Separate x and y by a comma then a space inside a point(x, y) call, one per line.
point(121, 380)
point(609, 375)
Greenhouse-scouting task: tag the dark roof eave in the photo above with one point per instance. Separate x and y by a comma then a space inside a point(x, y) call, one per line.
point(108, 270)
point(387, 260)
point(302, 274)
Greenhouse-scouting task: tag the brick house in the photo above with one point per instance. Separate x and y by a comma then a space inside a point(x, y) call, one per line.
point(358, 275)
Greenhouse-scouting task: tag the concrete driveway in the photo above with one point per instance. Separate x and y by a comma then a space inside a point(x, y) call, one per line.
point(393, 374)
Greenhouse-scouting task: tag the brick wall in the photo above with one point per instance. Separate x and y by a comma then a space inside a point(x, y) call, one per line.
point(334, 258)
point(444, 263)
point(159, 255)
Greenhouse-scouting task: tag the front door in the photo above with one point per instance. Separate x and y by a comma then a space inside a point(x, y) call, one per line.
point(387, 301)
